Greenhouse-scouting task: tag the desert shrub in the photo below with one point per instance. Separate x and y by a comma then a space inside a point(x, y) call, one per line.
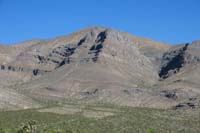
point(29, 127)
point(151, 131)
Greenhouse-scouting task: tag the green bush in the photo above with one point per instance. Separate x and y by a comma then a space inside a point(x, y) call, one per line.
point(151, 131)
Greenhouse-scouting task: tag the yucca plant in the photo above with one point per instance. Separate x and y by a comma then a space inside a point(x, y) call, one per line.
point(29, 127)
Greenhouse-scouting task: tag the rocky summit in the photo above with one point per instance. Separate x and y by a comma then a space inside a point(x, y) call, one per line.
point(99, 64)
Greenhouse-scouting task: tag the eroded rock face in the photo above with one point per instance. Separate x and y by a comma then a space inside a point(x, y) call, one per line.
point(194, 103)
point(173, 61)
point(169, 94)
point(179, 58)
point(34, 72)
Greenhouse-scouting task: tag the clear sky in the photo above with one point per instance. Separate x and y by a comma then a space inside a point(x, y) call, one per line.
point(172, 21)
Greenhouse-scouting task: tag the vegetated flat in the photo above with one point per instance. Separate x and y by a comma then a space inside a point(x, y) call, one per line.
point(120, 120)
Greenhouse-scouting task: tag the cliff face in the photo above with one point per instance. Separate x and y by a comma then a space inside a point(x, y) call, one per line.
point(180, 59)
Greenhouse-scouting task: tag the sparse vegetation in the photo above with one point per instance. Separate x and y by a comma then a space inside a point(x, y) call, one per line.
point(125, 119)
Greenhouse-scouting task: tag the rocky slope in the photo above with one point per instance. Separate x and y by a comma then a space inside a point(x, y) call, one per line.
point(100, 65)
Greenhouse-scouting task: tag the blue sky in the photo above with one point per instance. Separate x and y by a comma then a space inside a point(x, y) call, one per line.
point(171, 21)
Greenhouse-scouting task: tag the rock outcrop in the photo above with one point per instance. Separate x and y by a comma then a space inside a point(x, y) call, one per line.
point(180, 58)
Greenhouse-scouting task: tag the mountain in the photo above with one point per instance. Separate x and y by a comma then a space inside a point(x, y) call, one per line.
point(99, 64)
